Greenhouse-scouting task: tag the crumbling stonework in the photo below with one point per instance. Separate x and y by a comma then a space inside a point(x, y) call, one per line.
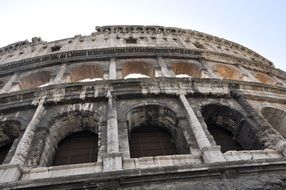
point(121, 78)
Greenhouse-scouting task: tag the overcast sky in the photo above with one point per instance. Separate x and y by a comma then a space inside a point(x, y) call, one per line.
point(258, 24)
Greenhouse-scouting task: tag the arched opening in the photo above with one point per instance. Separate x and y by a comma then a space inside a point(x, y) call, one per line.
point(229, 72)
point(277, 118)
point(4, 151)
point(187, 70)
point(9, 131)
point(35, 80)
point(66, 127)
point(153, 131)
point(229, 128)
point(263, 78)
point(86, 73)
point(80, 147)
point(138, 69)
point(151, 141)
point(224, 138)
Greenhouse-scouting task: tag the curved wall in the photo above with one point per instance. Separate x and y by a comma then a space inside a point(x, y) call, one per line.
point(204, 92)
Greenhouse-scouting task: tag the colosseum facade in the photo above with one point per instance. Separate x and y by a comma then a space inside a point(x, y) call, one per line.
point(140, 107)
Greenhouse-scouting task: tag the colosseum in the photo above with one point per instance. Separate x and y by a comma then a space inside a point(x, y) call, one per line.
point(141, 107)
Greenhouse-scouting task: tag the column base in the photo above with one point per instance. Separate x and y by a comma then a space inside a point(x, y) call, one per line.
point(281, 146)
point(212, 154)
point(112, 162)
point(10, 172)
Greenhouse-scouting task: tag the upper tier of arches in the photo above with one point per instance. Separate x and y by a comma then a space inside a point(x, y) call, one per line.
point(126, 36)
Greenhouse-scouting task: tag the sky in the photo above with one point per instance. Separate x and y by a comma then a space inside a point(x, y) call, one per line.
point(257, 24)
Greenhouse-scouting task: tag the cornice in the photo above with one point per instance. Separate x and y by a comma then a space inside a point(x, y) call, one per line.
point(123, 29)
point(120, 52)
point(147, 30)
point(195, 87)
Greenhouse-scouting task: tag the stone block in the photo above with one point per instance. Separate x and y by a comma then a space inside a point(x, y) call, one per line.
point(212, 154)
point(36, 173)
point(244, 155)
point(112, 162)
point(146, 162)
point(164, 161)
point(129, 164)
point(273, 154)
point(256, 155)
point(9, 173)
point(184, 160)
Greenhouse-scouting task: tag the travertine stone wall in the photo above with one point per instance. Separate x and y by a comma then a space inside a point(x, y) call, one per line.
point(50, 90)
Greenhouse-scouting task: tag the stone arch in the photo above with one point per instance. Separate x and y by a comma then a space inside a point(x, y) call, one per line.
point(231, 126)
point(136, 69)
point(86, 73)
point(9, 131)
point(64, 125)
point(185, 69)
point(229, 72)
point(265, 79)
point(78, 147)
point(157, 118)
point(276, 117)
point(35, 80)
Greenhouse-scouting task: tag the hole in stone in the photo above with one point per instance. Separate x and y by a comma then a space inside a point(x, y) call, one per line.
point(199, 45)
point(131, 40)
point(55, 48)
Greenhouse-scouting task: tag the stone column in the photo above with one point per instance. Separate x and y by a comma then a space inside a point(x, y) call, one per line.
point(26, 140)
point(113, 158)
point(112, 69)
point(210, 153)
point(60, 74)
point(13, 170)
point(10, 83)
point(123, 139)
point(164, 69)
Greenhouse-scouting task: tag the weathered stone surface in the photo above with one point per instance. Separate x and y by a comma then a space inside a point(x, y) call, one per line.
point(192, 82)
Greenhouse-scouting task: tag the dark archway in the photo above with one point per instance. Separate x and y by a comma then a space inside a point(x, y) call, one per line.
point(229, 128)
point(151, 141)
point(80, 147)
point(4, 151)
point(224, 138)
point(159, 126)
point(9, 131)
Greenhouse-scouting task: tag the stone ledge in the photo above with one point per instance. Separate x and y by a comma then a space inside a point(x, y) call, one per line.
point(252, 155)
point(135, 176)
point(60, 171)
point(207, 88)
